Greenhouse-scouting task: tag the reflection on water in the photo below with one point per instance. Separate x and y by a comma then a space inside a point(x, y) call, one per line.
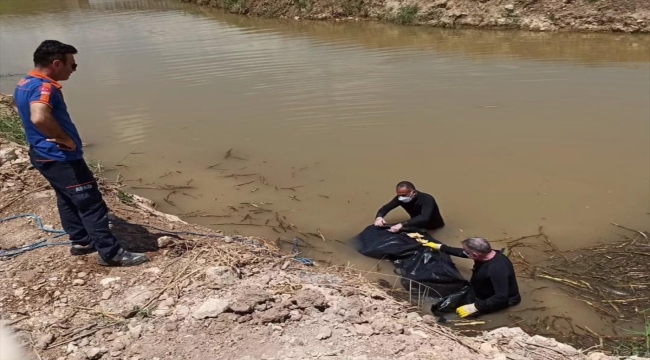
point(131, 125)
point(508, 130)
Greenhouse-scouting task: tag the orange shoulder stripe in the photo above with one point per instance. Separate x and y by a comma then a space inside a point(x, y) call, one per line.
point(46, 91)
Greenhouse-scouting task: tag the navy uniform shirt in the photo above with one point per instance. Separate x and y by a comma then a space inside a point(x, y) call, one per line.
point(38, 88)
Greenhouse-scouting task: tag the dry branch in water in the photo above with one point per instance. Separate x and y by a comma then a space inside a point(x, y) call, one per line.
point(189, 195)
point(167, 200)
point(293, 174)
point(636, 231)
point(238, 224)
point(292, 188)
point(621, 282)
point(166, 186)
point(229, 155)
point(238, 175)
point(208, 215)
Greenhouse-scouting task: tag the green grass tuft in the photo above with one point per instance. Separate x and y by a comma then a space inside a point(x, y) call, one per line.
point(405, 15)
point(11, 128)
point(635, 346)
point(95, 166)
point(126, 198)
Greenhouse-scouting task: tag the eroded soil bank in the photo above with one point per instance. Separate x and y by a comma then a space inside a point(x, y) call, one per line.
point(206, 295)
point(630, 16)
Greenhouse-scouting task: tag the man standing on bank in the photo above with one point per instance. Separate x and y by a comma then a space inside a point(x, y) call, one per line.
point(493, 281)
point(55, 151)
point(422, 208)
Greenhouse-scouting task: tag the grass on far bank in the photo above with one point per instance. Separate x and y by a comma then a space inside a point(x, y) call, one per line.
point(11, 129)
point(406, 15)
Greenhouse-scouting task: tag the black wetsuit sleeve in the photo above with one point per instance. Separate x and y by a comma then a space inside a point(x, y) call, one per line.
point(453, 251)
point(388, 207)
point(497, 273)
point(421, 220)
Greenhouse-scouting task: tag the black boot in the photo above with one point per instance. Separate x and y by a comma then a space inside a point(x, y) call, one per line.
point(124, 258)
point(78, 250)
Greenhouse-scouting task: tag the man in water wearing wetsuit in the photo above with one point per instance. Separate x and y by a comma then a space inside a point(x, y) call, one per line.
point(422, 208)
point(493, 281)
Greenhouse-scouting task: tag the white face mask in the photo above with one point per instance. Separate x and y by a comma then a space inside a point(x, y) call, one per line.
point(405, 199)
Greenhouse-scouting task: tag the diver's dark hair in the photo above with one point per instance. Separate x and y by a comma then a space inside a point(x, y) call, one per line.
point(406, 185)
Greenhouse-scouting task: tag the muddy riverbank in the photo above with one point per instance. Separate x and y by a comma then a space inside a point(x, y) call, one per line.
point(629, 16)
point(206, 294)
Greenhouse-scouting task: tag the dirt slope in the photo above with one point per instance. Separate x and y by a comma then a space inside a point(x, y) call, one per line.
point(538, 15)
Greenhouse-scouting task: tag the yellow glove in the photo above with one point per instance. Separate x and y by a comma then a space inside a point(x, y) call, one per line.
point(434, 246)
point(466, 310)
point(416, 236)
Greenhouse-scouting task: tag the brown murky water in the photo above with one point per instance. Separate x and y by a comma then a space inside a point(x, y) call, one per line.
point(510, 131)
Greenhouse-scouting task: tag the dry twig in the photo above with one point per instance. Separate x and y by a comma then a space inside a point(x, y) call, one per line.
point(22, 196)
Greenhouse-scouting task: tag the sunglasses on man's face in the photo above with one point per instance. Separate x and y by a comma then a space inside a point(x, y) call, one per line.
point(62, 63)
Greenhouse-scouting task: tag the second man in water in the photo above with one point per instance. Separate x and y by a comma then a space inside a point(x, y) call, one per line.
point(422, 208)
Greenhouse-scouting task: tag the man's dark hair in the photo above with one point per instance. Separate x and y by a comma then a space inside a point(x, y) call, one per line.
point(406, 185)
point(50, 50)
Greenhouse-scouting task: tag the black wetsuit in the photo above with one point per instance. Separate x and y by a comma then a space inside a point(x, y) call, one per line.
point(423, 210)
point(494, 282)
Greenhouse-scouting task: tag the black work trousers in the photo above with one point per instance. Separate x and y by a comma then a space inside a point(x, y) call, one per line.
point(83, 212)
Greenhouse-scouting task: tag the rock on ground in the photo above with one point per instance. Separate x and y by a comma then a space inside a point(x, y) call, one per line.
point(218, 277)
point(95, 353)
point(211, 308)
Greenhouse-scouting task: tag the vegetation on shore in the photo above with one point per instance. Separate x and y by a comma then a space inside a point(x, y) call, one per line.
point(405, 15)
point(11, 127)
point(628, 16)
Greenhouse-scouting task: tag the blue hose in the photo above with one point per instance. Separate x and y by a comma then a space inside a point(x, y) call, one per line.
point(304, 261)
point(37, 245)
point(39, 222)
point(44, 243)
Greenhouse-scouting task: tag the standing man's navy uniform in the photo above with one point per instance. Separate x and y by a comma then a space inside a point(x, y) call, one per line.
point(56, 152)
point(422, 208)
